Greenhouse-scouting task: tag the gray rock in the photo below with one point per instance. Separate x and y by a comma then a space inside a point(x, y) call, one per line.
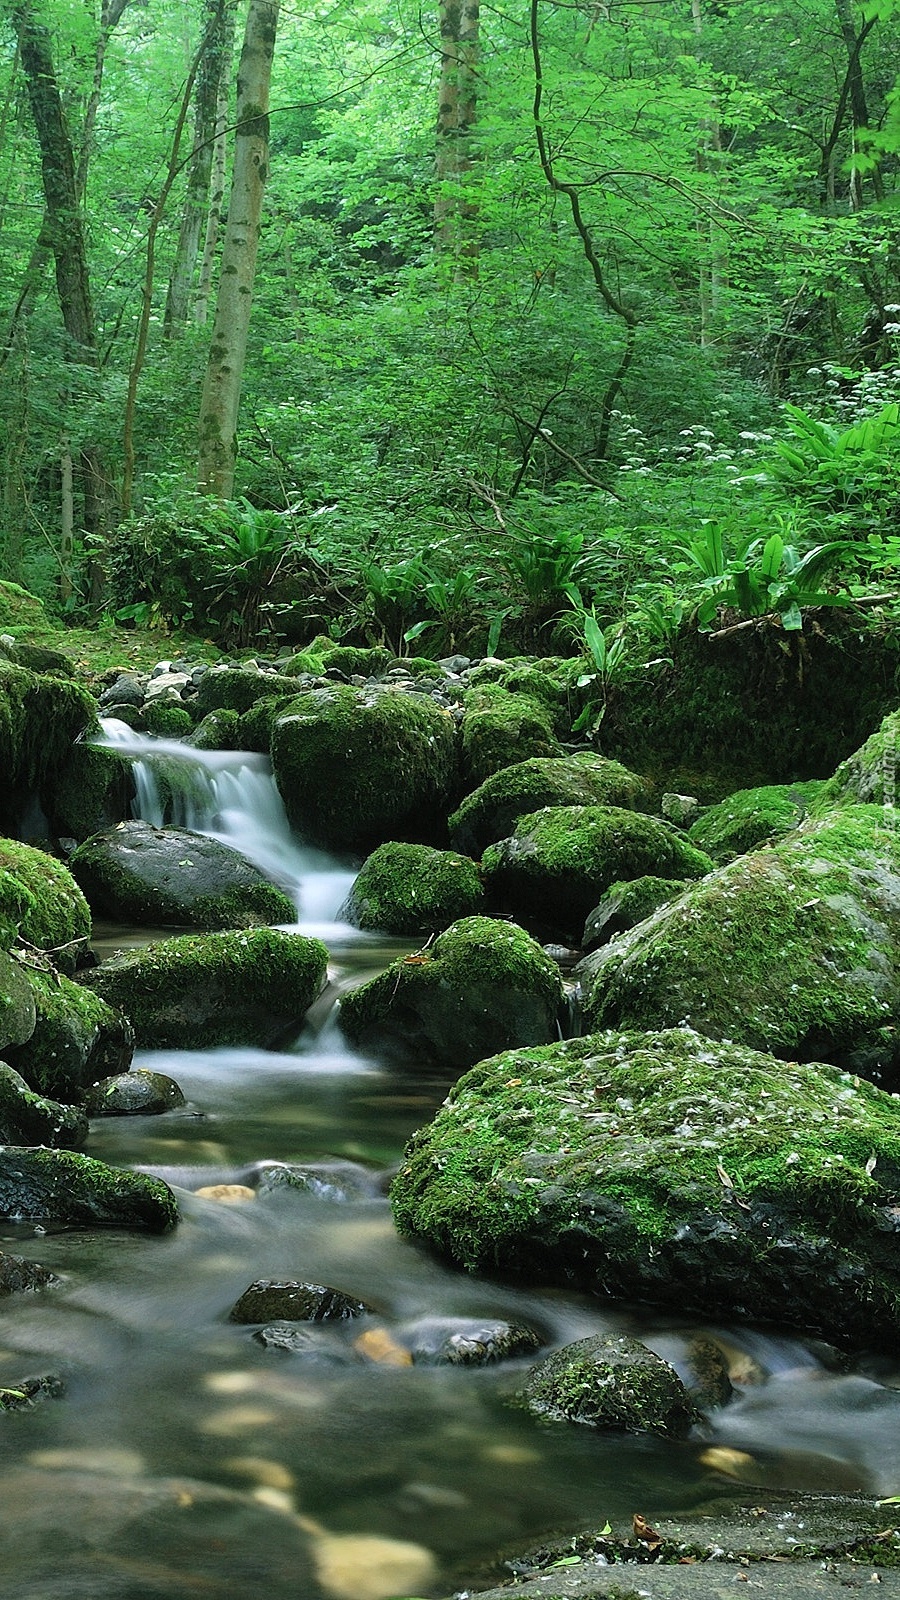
point(65, 1189)
point(288, 1300)
point(18, 1276)
point(139, 1093)
point(466, 1341)
point(611, 1383)
point(28, 1118)
point(313, 1345)
point(339, 1181)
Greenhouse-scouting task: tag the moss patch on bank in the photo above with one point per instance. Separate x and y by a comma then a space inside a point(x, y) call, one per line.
point(40, 902)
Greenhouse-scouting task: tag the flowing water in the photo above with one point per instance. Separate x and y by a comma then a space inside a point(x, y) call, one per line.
point(183, 1451)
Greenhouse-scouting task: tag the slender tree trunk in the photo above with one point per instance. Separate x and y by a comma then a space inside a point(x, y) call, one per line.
point(712, 247)
point(455, 212)
point(220, 19)
point(12, 530)
point(228, 346)
point(67, 516)
point(217, 181)
point(858, 105)
point(110, 17)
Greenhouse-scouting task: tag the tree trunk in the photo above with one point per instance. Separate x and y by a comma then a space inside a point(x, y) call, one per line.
point(859, 109)
point(455, 212)
point(228, 346)
point(217, 182)
point(66, 518)
point(110, 16)
point(220, 21)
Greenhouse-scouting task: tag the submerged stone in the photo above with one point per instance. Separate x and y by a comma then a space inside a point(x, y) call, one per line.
point(200, 990)
point(18, 1276)
point(482, 986)
point(668, 1168)
point(288, 1300)
point(466, 1341)
point(610, 1382)
point(137, 873)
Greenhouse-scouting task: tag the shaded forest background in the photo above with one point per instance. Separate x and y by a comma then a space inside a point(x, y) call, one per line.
point(571, 323)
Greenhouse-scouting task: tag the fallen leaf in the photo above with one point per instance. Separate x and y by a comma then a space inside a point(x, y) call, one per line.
point(645, 1533)
point(723, 1177)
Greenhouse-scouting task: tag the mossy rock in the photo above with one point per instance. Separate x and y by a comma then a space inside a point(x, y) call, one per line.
point(305, 663)
point(614, 1383)
point(412, 889)
point(17, 1013)
point(201, 990)
point(219, 730)
point(237, 688)
point(152, 876)
point(626, 904)
point(29, 1118)
point(254, 728)
point(544, 680)
point(482, 986)
point(76, 1038)
point(140, 1093)
point(43, 658)
point(62, 1188)
point(669, 1168)
point(167, 721)
point(794, 949)
point(40, 719)
point(750, 817)
point(360, 661)
point(358, 766)
point(93, 790)
point(500, 729)
point(560, 860)
point(870, 775)
point(40, 900)
point(21, 612)
point(492, 811)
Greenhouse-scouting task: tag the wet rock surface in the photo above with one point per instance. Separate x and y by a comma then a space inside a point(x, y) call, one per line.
point(133, 1094)
point(28, 1118)
point(18, 1276)
point(66, 1189)
point(613, 1383)
point(466, 1342)
point(270, 1299)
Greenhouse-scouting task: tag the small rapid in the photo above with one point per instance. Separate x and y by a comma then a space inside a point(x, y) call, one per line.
point(231, 796)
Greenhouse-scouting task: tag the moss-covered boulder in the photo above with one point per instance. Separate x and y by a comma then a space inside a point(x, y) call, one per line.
point(500, 729)
point(492, 811)
point(41, 716)
point(200, 990)
point(219, 730)
point(482, 986)
point(544, 678)
point(61, 1188)
point(668, 1168)
point(609, 1382)
point(870, 775)
point(626, 904)
point(167, 721)
point(40, 901)
point(151, 876)
point(76, 1037)
point(358, 766)
point(17, 1014)
point(238, 688)
point(357, 660)
point(20, 611)
point(412, 889)
point(750, 817)
point(93, 790)
point(29, 1118)
point(560, 860)
point(140, 1093)
point(794, 949)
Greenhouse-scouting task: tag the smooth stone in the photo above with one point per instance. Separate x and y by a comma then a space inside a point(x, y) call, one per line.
point(271, 1299)
point(139, 1093)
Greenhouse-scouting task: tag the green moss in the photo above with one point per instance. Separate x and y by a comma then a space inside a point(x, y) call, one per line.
point(29, 1118)
point(560, 860)
point(611, 1383)
point(254, 730)
point(17, 1013)
point(167, 721)
point(21, 612)
point(77, 1037)
point(40, 898)
point(493, 809)
point(627, 903)
point(418, 666)
point(791, 949)
point(500, 729)
point(237, 688)
point(412, 889)
point(543, 680)
point(870, 775)
point(481, 986)
point(308, 661)
point(200, 990)
point(92, 791)
point(65, 1188)
point(40, 719)
point(605, 1162)
point(357, 765)
point(751, 816)
point(219, 730)
point(358, 660)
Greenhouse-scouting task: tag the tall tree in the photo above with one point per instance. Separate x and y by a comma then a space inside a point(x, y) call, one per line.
point(220, 400)
point(455, 211)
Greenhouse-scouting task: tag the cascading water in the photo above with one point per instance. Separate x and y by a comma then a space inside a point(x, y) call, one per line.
point(231, 796)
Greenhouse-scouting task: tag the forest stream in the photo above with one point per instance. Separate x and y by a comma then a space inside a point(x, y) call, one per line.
point(166, 1400)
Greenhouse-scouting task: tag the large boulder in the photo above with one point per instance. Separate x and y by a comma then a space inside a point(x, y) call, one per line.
point(173, 876)
point(76, 1037)
point(201, 990)
point(483, 986)
point(794, 950)
point(560, 860)
point(41, 716)
point(751, 817)
point(499, 729)
point(664, 1167)
point(17, 1014)
point(492, 811)
point(626, 904)
point(609, 1382)
point(62, 1188)
point(358, 766)
point(413, 889)
point(93, 790)
point(870, 775)
point(40, 902)
point(238, 688)
point(28, 1118)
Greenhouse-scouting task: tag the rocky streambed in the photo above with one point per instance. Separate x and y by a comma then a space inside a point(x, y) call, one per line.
point(669, 1035)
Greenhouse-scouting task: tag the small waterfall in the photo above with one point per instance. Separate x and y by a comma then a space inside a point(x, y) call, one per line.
point(231, 795)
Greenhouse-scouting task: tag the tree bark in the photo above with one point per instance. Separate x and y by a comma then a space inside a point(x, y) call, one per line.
point(228, 346)
point(455, 212)
point(217, 183)
point(220, 23)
